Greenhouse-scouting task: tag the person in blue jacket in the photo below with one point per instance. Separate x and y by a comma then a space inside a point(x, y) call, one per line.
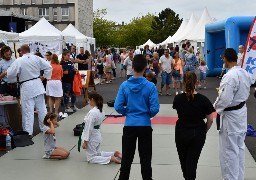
point(141, 99)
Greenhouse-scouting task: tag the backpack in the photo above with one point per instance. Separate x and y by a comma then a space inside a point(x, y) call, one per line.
point(111, 103)
point(78, 129)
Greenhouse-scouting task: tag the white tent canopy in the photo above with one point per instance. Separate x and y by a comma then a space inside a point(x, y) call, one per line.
point(72, 31)
point(190, 26)
point(44, 37)
point(167, 41)
point(150, 43)
point(81, 39)
point(8, 36)
point(180, 30)
point(198, 33)
point(44, 31)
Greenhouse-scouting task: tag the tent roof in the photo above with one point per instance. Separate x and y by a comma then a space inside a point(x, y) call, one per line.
point(43, 31)
point(150, 43)
point(190, 26)
point(71, 30)
point(167, 41)
point(180, 30)
point(198, 33)
point(4, 35)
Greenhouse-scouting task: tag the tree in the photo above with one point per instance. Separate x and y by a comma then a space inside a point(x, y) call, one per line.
point(165, 24)
point(137, 31)
point(103, 29)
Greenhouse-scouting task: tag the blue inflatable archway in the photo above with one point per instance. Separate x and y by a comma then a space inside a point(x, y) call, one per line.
point(229, 33)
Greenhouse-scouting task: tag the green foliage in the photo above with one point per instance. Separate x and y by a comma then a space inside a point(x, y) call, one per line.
point(165, 24)
point(137, 32)
point(103, 29)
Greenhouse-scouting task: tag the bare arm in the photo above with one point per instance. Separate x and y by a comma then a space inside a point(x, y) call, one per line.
point(209, 121)
point(52, 129)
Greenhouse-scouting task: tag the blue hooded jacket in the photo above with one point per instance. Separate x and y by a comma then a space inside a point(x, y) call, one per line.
point(141, 98)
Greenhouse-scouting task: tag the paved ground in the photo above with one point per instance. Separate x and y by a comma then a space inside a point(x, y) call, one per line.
point(26, 163)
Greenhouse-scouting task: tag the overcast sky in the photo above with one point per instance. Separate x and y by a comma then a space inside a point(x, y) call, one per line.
point(125, 10)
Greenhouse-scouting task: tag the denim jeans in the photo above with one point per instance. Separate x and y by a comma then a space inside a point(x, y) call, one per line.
point(68, 92)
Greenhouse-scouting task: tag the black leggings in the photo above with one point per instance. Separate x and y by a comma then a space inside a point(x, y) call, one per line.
point(130, 136)
point(189, 144)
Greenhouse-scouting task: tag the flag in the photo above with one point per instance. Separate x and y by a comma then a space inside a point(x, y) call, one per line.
point(249, 59)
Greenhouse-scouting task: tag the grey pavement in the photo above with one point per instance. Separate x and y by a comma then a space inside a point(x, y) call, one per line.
point(26, 163)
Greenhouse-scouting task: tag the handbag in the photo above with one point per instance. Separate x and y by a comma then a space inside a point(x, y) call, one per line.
point(176, 73)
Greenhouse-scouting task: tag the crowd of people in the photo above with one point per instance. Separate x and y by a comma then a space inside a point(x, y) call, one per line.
point(142, 68)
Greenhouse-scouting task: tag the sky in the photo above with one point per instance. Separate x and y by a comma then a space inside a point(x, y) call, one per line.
point(126, 10)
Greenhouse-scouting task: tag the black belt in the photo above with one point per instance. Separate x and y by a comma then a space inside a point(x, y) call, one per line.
point(20, 83)
point(239, 106)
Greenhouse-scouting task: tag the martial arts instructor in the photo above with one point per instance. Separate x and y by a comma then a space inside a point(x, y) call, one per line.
point(234, 91)
point(27, 68)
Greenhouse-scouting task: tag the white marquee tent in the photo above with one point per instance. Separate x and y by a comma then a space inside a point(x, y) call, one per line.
point(198, 33)
point(150, 43)
point(172, 39)
point(44, 37)
point(81, 39)
point(190, 26)
point(8, 36)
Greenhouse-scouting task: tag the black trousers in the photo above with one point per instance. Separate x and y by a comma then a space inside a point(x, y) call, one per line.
point(130, 136)
point(114, 72)
point(189, 144)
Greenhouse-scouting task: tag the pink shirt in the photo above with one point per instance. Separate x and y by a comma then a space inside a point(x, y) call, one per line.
point(203, 69)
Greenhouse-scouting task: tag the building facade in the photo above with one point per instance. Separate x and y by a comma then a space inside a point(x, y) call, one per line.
point(60, 13)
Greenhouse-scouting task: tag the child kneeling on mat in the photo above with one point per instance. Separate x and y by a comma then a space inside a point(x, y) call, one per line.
point(91, 136)
point(51, 151)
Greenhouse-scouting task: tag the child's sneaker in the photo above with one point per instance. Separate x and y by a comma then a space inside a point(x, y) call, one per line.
point(69, 110)
point(45, 157)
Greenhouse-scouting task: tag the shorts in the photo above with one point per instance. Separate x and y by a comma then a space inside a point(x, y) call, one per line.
point(177, 78)
point(166, 78)
point(107, 69)
point(121, 66)
point(202, 76)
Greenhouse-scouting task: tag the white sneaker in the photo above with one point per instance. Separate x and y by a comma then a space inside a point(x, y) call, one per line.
point(65, 115)
point(177, 93)
point(181, 92)
point(107, 82)
point(69, 110)
point(74, 108)
point(204, 87)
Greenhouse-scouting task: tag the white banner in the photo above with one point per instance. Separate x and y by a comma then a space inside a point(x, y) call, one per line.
point(42, 47)
point(249, 60)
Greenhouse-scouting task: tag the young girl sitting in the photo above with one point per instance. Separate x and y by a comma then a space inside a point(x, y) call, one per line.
point(91, 136)
point(51, 151)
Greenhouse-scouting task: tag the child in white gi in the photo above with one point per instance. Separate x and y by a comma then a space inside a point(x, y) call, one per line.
point(91, 136)
point(51, 151)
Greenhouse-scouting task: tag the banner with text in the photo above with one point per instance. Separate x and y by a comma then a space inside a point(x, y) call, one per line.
point(249, 60)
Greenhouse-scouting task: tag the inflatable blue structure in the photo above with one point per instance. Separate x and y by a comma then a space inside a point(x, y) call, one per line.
point(229, 33)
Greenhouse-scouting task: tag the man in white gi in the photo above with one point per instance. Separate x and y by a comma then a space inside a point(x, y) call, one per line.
point(230, 105)
point(27, 68)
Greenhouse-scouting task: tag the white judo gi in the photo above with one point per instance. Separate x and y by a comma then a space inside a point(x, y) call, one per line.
point(93, 137)
point(234, 89)
point(28, 68)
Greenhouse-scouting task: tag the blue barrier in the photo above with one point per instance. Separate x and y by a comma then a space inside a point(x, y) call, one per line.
point(229, 33)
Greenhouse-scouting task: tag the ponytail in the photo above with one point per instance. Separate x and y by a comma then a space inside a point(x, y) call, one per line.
point(97, 98)
point(190, 80)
